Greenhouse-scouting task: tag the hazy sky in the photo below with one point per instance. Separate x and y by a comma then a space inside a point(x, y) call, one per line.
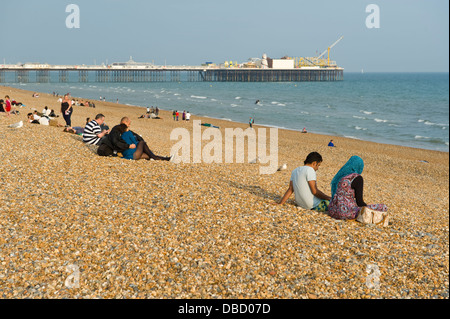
point(413, 34)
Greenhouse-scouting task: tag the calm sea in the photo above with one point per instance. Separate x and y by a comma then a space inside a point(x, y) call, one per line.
point(409, 109)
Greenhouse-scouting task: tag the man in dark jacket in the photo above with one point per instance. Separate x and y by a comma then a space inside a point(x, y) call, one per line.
point(114, 143)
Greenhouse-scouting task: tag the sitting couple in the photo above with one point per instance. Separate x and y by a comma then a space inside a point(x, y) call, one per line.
point(346, 199)
point(131, 145)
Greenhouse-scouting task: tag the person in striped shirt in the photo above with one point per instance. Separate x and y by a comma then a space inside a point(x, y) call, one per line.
point(93, 133)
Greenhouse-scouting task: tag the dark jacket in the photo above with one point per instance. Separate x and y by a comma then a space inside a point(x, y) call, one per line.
point(114, 142)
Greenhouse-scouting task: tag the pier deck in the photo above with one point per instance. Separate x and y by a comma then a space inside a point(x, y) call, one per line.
point(165, 74)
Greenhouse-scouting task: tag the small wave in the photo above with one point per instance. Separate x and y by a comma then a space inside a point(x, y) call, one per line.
point(213, 100)
point(380, 121)
point(275, 102)
point(366, 112)
point(359, 117)
point(198, 97)
point(237, 98)
point(431, 140)
point(234, 105)
point(352, 137)
point(435, 124)
point(359, 128)
point(281, 104)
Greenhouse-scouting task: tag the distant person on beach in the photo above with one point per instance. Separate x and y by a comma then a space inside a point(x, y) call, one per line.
point(304, 185)
point(74, 130)
point(7, 106)
point(251, 121)
point(46, 111)
point(15, 103)
point(188, 116)
point(157, 111)
point(331, 144)
point(148, 110)
point(184, 116)
point(347, 191)
point(177, 114)
point(53, 114)
point(304, 130)
point(31, 119)
point(174, 114)
point(42, 120)
point(66, 110)
point(2, 108)
point(93, 133)
point(36, 116)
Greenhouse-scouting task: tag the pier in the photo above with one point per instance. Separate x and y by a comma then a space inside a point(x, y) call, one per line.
point(74, 74)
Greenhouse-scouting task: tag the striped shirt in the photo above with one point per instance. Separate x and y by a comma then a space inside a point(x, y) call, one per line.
point(91, 131)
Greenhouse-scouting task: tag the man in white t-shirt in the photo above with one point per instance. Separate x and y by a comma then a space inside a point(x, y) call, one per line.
point(304, 185)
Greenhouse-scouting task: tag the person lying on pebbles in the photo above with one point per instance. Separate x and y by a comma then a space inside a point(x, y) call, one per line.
point(74, 130)
point(43, 120)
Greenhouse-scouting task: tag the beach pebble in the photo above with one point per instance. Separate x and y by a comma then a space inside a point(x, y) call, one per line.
point(151, 229)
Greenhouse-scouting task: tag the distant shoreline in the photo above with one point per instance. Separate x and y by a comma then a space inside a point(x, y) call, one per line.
point(207, 117)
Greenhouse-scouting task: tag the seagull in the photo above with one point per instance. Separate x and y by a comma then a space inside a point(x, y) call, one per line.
point(17, 125)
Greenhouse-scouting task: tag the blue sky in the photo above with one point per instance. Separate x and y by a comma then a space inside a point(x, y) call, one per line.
point(413, 34)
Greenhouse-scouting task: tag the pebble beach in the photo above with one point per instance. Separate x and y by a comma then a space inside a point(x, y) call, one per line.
point(161, 230)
